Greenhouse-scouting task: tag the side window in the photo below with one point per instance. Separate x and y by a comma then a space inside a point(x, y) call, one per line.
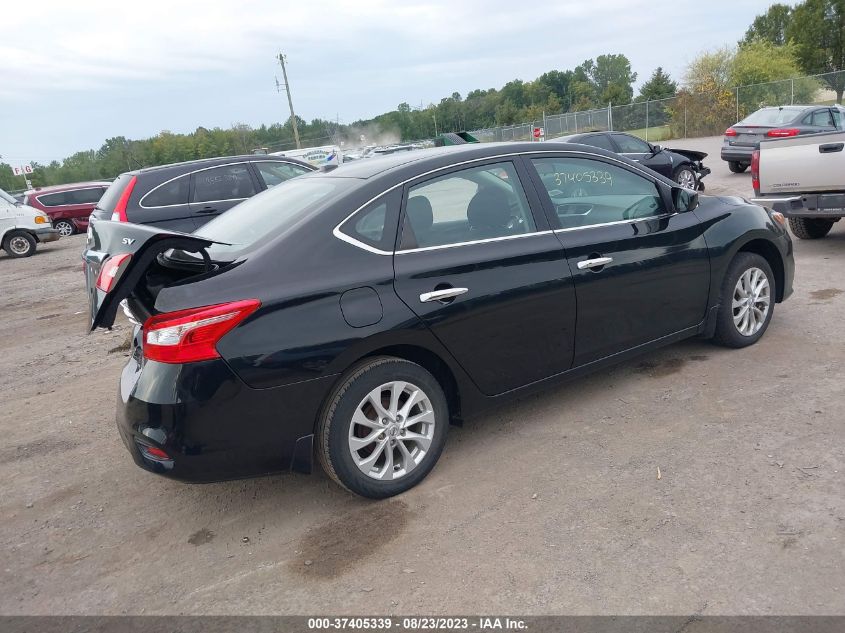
point(472, 204)
point(837, 118)
point(54, 199)
point(587, 192)
point(168, 194)
point(375, 224)
point(273, 173)
point(367, 226)
point(631, 144)
point(819, 118)
point(599, 140)
point(228, 182)
point(86, 196)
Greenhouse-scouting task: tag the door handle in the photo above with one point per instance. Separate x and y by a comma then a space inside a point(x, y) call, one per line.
point(442, 295)
point(830, 148)
point(598, 262)
point(207, 210)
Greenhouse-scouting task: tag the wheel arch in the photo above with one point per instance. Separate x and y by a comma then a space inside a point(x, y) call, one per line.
point(428, 360)
point(768, 251)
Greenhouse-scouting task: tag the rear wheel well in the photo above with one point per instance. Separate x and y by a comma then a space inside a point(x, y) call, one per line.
point(770, 253)
point(432, 363)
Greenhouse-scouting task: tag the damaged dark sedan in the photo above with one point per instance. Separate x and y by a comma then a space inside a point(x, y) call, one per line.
point(349, 317)
point(684, 166)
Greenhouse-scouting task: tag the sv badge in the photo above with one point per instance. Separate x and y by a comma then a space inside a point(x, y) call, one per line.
point(128, 241)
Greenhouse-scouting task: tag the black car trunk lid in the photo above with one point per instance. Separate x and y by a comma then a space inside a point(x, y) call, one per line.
point(125, 255)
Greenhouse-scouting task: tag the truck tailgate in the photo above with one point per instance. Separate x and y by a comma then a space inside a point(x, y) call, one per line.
point(803, 164)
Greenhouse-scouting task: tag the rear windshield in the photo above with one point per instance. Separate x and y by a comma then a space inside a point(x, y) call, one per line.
point(109, 200)
point(771, 116)
point(270, 214)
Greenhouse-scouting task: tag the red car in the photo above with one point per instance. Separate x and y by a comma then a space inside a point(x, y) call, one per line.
point(67, 205)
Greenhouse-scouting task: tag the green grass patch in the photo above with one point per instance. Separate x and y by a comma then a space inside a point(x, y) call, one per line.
point(655, 134)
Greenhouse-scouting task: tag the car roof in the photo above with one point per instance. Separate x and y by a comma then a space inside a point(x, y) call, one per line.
point(437, 157)
point(68, 187)
point(796, 106)
point(219, 160)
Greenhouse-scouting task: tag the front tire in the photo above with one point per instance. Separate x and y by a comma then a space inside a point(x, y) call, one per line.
point(19, 244)
point(737, 167)
point(686, 177)
point(810, 228)
point(747, 301)
point(65, 228)
point(383, 427)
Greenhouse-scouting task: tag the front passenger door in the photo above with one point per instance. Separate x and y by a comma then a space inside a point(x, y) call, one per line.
point(218, 189)
point(641, 271)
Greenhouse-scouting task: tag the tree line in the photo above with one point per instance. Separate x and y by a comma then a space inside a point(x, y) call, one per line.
point(784, 42)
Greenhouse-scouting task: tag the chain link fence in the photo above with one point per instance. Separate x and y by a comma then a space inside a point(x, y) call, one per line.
point(682, 116)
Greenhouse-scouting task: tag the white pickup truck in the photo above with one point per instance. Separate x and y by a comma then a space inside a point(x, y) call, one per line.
point(803, 177)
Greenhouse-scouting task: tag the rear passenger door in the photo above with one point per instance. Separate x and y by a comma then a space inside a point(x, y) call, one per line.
point(215, 190)
point(476, 262)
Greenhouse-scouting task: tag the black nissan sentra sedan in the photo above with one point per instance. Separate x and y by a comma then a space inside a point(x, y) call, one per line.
point(351, 316)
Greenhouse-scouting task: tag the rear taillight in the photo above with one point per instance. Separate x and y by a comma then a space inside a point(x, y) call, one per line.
point(192, 335)
point(755, 170)
point(730, 132)
point(111, 270)
point(119, 213)
point(782, 132)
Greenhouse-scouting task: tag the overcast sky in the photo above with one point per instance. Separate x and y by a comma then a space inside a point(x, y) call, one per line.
point(75, 73)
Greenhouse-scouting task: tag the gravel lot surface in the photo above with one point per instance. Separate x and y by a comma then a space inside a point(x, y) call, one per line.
point(551, 505)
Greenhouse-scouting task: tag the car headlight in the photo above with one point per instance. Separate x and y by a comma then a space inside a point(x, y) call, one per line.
point(42, 219)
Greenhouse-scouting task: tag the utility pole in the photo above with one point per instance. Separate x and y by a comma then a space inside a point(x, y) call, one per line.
point(290, 101)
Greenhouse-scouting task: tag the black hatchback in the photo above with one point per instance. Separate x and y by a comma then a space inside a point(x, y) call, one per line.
point(349, 317)
point(184, 196)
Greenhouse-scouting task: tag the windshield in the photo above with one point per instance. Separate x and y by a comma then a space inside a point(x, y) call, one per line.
point(771, 116)
point(270, 214)
point(5, 196)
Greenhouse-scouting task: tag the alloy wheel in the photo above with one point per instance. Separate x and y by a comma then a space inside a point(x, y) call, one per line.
point(686, 178)
point(64, 228)
point(751, 301)
point(19, 245)
point(391, 430)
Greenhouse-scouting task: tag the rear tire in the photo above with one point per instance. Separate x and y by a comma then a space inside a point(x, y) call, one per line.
point(19, 244)
point(744, 316)
point(737, 167)
point(65, 227)
point(369, 456)
point(810, 228)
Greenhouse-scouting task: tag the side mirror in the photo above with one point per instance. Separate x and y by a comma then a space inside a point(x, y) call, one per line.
point(684, 199)
point(655, 149)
